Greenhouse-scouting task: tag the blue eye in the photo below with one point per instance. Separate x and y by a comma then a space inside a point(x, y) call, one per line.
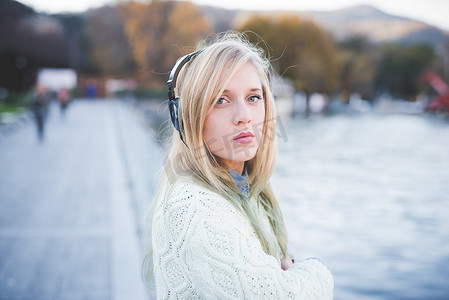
point(254, 98)
point(220, 101)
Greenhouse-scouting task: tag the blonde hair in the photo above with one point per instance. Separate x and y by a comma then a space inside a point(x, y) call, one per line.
point(199, 85)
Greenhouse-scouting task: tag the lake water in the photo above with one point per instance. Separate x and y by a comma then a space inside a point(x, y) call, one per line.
point(369, 194)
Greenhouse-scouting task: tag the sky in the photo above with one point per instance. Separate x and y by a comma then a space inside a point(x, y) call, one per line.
point(433, 12)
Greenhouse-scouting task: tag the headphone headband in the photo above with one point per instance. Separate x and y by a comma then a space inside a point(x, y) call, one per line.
point(173, 101)
point(171, 83)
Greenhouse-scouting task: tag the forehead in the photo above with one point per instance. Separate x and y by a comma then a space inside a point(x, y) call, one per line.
point(245, 77)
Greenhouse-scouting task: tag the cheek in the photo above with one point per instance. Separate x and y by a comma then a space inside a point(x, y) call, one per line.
point(212, 132)
point(261, 113)
point(258, 121)
point(258, 115)
point(207, 130)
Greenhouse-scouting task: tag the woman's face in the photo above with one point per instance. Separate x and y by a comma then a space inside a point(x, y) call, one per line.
point(233, 128)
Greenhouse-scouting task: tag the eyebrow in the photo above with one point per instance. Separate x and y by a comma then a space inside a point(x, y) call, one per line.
point(251, 90)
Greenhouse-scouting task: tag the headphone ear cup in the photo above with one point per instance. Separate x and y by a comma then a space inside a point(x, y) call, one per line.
point(173, 107)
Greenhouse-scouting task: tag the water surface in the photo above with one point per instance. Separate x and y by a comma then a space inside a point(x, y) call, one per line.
point(369, 194)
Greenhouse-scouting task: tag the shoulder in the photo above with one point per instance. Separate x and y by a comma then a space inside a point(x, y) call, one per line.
point(184, 188)
point(200, 198)
point(186, 199)
point(189, 200)
point(189, 209)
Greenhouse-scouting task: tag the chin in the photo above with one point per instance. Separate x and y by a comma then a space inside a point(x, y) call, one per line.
point(242, 157)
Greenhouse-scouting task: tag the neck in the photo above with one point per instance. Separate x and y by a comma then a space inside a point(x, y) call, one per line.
point(235, 166)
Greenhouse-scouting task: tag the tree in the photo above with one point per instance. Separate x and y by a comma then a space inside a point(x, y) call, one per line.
point(158, 33)
point(110, 53)
point(401, 67)
point(357, 58)
point(77, 45)
point(28, 41)
point(299, 49)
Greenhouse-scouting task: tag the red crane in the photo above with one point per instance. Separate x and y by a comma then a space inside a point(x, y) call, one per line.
point(441, 102)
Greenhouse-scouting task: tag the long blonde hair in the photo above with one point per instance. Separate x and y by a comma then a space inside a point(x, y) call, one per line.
point(199, 85)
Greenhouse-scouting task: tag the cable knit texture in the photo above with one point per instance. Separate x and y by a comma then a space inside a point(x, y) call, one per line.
point(204, 248)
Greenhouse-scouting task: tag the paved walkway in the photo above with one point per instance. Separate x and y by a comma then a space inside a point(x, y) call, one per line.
point(71, 206)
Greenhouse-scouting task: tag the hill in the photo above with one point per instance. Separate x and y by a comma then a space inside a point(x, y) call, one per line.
point(377, 25)
point(361, 20)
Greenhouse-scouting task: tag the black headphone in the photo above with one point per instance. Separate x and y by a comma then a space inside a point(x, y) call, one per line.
point(173, 101)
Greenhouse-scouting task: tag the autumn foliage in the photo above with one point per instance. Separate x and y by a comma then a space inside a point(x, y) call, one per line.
point(299, 50)
point(158, 33)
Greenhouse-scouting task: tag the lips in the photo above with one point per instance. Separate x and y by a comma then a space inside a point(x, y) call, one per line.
point(244, 137)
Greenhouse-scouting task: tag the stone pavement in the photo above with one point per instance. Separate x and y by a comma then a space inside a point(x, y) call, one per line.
point(71, 206)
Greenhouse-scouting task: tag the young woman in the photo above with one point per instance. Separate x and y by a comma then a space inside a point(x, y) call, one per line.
point(217, 230)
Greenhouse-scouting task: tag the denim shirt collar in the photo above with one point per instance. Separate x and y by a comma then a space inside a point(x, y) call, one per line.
point(238, 179)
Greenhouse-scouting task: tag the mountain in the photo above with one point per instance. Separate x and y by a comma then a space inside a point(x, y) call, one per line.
point(361, 20)
point(377, 25)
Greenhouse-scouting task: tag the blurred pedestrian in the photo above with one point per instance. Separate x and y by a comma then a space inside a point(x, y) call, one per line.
point(63, 97)
point(39, 105)
point(217, 229)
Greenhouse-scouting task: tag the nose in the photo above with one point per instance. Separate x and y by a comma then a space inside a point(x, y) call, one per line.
point(241, 113)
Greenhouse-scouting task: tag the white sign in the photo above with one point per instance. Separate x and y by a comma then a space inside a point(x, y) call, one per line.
point(55, 79)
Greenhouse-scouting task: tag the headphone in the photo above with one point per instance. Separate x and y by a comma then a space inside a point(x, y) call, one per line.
point(173, 101)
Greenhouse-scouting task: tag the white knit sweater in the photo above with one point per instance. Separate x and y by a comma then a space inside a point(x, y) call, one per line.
point(204, 248)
